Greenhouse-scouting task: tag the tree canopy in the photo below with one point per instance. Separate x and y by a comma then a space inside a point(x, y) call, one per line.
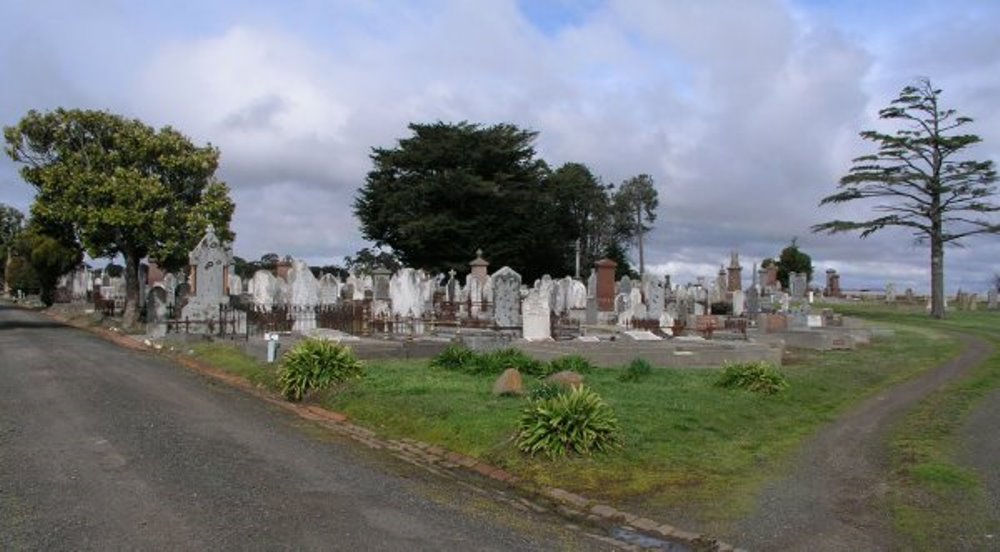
point(11, 226)
point(450, 189)
point(919, 180)
point(121, 186)
point(791, 259)
point(636, 202)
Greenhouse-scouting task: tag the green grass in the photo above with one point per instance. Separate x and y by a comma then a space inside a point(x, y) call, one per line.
point(234, 360)
point(691, 450)
point(687, 442)
point(938, 503)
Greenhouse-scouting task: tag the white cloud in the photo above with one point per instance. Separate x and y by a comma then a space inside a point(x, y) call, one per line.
point(745, 113)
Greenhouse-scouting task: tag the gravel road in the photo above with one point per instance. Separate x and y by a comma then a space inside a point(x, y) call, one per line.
point(830, 501)
point(104, 448)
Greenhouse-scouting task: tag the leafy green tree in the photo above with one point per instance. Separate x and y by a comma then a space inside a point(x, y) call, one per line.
point(11, 226)
point(19, 276)
point(791, 259)
point(636, 201)
point(450, 189)
point(49, 258)
point(616, 252)
point(583, 204)
point(123, 187)
point(369, 258)
point(920, 181)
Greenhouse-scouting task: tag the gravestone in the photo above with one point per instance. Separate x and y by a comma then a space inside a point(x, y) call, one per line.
point(329, 289)
point(303, 288)
point(738, 303)
point(263, 288)
point(625, 285)
point(210, 261)
point(404, 291)
point(169, 284)
point(235, 285)
point(156, 311)
point(592, 284)
point(622, 302)
point(605, 286)
point(991, 299)
point(753, 302)
point(535, 317)
point(890, 293)
point(452, 288)
point(798, 284)
point(380, 279)
point(577, 296)
point(506, 286)
point(654, 298)
point(591, 316)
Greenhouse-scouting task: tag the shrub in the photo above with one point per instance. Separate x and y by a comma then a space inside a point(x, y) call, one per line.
point(759, 377)
point(495, 362)
point(578, 422)
point(315, 364)
point(544, 390)
point(573, 363)
point(455, 357)
point(636, 371)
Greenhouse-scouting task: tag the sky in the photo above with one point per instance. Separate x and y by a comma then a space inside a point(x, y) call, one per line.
point(745, 112)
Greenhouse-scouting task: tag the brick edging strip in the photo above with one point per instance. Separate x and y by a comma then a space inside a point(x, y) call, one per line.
point(425, 454)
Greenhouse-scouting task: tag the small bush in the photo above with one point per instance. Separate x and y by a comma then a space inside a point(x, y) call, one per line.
point(759, 377)
point(455, 357)
point(495, 362)
point(578, 422)
point(573, 363)
point(314, 365)
point(636, 370)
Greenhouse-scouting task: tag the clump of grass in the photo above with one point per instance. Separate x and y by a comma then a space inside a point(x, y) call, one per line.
point(572, 363)
point(636, 371)
point(758, 377)
point(455, 357)
point(460, 359)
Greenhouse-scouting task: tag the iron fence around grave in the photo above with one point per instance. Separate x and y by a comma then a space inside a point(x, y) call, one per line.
point(356, 317)
point(564, 328)
point(229, 322)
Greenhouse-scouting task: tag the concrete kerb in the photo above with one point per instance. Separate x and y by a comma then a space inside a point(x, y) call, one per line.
point(435, 458)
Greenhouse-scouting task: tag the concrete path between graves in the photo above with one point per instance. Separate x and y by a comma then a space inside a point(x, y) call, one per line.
point(833, 498)
point(103, 447)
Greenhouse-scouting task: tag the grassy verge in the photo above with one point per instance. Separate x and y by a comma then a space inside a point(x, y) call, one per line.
point(689, 446)
point(938, 503)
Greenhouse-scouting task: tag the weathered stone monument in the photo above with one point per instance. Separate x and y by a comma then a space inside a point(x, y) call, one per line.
point(832, 288)
point(734, 273)
point(303, 286)
point(210, 262)
point(536, 325)
point(605, 292)
point(506, 286)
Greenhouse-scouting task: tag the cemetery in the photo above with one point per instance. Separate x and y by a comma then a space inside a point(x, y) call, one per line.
point(411, 313)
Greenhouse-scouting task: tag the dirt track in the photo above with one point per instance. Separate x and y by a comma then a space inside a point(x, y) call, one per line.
point(832, 500)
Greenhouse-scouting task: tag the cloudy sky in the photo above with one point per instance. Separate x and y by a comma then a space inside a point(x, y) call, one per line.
point(745, 112)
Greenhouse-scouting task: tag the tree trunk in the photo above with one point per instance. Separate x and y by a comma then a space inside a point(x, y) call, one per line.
point(642, 259)
point(937, 277)
point(131, 315)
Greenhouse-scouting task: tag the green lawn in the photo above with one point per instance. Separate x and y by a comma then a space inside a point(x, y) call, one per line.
point(688, 445)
